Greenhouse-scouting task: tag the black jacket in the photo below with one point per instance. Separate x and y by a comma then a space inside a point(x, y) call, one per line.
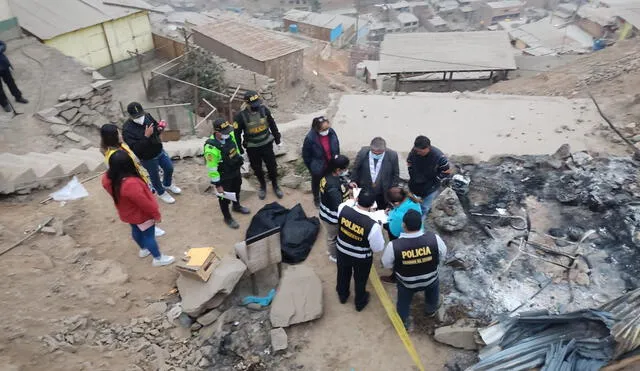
point(313, 152)
point(133, 134)
point(426, 172)
point(4, 61)
point(334, 190)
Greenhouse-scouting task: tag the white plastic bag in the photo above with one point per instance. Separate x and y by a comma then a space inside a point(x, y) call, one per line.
point(72, 191)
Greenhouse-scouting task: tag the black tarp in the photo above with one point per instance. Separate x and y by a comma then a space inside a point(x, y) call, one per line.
point(297, 232)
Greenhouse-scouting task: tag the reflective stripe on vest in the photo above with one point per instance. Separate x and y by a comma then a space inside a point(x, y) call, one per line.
point(416, 260)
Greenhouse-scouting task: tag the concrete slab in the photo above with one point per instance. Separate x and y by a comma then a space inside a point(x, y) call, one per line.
point(44, 170)
point(91, 157)
point(15, 177)
point(185, 148)
point(71, 165)
point(478, 125)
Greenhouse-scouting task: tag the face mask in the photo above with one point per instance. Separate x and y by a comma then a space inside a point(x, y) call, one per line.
point(324, 133)
point(139, 120)
point(225, 136)
point(344, 173)
point(376, 157)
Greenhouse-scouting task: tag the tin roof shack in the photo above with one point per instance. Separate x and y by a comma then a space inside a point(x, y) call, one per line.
point(437, 24)
point(9, 28)
point(95, 33)
point(545, 38)
point(445, 57)
point(265, 52)
point(596, 21)
point(494, 12)
point(334, 28)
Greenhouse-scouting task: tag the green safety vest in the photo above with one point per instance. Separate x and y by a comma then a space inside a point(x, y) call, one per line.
point(223, 159)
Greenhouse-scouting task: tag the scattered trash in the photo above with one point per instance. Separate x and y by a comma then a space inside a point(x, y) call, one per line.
point(74, 190)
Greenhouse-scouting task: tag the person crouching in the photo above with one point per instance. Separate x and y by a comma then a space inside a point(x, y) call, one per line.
point(136, 205)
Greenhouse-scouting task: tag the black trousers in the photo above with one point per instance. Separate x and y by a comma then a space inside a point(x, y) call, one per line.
point(348, 265)
point(265, 154)
point(315, 186)
point(381, 202)
point(11, 84)
point(230, 185)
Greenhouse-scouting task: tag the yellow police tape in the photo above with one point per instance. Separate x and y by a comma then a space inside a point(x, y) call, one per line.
point(394, 317)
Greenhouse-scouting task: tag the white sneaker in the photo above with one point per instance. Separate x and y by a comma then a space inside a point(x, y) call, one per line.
point(174, 189)
point(166, 198)
point(143, 253)
point(159, 232)
point(162, 260)
point(333, 258)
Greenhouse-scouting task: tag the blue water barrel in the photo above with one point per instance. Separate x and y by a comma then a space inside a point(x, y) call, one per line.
point(293, 28)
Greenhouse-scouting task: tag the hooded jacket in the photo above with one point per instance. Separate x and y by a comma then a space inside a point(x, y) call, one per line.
point(133, 134)
point(4, 61)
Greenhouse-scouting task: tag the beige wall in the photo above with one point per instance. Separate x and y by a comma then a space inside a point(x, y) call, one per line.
point(96, 45)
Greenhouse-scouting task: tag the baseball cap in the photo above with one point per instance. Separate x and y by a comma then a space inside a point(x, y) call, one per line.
point(222, 126)
point(412, 220)
point(135, 109)
point(253, 98)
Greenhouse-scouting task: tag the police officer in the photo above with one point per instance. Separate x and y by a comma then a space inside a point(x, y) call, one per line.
point(415, 258)
point(359, 236)
point(334, 190)
point(223, 159)
point(260, 131)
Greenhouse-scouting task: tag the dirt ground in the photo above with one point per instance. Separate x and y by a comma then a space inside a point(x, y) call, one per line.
point(95, 270)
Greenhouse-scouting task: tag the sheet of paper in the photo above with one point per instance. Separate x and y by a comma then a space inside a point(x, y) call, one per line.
point(231, 196)
point(379, 216)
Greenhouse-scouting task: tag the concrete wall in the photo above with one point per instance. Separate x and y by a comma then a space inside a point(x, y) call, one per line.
point(228, 53)
point(100, 45)
point(286, 70)
point(488, 15)
point(9, 28)
point(167, 47)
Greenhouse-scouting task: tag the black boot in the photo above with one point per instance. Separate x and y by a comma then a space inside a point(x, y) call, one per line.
point(241, 209)
point(278, 191)
point(22, 100)
point(316, 203)
point(262, 192)
point(364, 303)
point(231, 223)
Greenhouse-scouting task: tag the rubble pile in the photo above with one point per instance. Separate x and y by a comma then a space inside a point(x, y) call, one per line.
point(90, 106)
point(561, 197)
point(238, 339)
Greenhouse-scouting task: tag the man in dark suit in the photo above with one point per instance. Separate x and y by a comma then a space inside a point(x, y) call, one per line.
point(376, 169)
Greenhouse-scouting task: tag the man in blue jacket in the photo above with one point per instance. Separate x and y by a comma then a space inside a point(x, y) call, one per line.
point(320, 146)
point(5, 74)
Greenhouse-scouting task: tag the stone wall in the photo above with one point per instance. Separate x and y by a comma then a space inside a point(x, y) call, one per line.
point(81, 110)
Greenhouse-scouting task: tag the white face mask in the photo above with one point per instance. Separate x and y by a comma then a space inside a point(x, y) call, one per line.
point(225, 136)
point(344, 172)
point(324, 133)
point(139, 120)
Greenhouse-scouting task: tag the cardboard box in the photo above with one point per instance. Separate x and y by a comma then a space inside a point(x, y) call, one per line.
point(198, 263)
point(170, 135)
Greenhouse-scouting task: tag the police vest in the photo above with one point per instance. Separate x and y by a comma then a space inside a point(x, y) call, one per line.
point(416, 260)
point(231, 161)
point(256, 127)
point(353, 233)
point(328, 206)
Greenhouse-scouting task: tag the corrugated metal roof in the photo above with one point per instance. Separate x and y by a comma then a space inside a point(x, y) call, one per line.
point(543, 34)
point(47, 19)
point(505, 4)
point(324, 20)
point(446, 51)
point(631, 15)
point(257, 43)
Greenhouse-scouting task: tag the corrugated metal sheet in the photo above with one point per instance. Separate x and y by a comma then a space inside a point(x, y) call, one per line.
point(543, 34)
point(631, 15)
point(505, 4)
point(446, 51)
point(47, 19)
point(406, 18)
point(259, 44)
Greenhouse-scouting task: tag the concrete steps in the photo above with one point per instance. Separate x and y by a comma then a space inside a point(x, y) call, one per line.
point(22, 173)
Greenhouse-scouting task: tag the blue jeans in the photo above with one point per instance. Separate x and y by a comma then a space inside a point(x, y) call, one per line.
point(153, 165)
point(405, 296)
point(427, 201)
point(146, 239)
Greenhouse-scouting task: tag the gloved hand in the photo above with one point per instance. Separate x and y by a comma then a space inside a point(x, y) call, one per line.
point(277, 137)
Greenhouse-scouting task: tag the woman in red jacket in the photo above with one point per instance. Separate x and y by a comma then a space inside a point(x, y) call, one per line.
point(135, 204)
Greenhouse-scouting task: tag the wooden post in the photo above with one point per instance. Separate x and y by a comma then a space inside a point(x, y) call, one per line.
point(144, 83)
point(397, 82)
point(106, 39)
point(450, 80)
